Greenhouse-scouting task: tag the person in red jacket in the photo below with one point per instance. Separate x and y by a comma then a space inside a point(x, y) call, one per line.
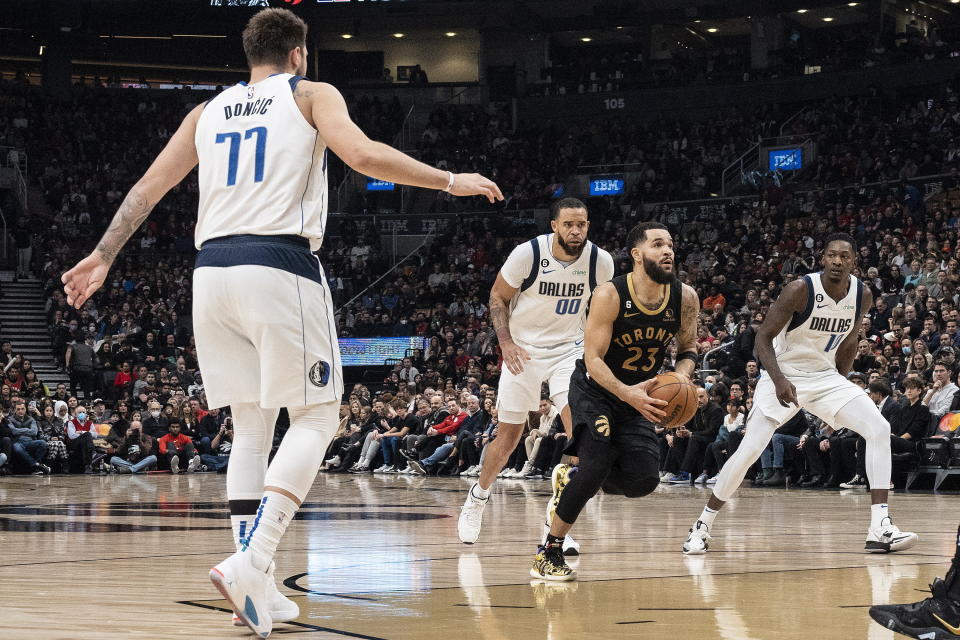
point(178, 450)
point(445, 434)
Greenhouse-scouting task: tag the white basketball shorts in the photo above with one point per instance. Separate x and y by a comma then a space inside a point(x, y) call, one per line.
point(264, 325)
point(823, 394)
point(521, 393)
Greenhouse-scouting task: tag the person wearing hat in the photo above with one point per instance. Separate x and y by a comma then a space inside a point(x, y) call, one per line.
point(948, 356)
point(100, 413)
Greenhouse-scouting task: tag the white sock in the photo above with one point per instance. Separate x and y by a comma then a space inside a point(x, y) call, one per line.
point(480, 492)
point(707, 516)
point(877, 513)
point(276, 512)
point(241, 527)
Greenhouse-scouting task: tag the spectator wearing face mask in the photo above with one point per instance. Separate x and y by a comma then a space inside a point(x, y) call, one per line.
point(80, 439)
point(155, 423)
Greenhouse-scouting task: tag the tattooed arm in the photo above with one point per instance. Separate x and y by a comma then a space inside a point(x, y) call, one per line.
point(500, 297)
point(176, 160)
point(687, 336)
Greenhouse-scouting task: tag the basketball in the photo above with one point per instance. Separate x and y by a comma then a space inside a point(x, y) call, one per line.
point(680, 395)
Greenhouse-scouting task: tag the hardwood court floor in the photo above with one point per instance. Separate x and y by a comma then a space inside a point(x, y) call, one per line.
point(377, 557)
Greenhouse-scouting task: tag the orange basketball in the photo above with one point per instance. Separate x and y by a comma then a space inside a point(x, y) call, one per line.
point(680, 395)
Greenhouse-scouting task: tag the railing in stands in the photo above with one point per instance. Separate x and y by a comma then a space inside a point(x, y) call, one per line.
point(396, 264)
point(399, 141)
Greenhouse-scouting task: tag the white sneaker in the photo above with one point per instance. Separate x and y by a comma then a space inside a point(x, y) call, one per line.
point(888, 538)
point(382, 469)
point(701, 479)
point(698, 541)
point(527, 466)
point(175, 464)
point(667, 478)
point(471, 516)
point(282, 608)
point(333, 462)
point(713, 480)
point(194, 464)
point(246, 589)
point(663, 473)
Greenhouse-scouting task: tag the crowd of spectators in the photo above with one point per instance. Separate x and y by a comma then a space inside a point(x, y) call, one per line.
point(136, 396)
point(599, 68)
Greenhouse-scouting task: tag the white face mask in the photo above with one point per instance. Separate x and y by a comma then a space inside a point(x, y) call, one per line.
point(155, 414)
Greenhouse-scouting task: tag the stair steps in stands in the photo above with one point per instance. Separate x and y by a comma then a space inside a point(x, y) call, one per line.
point(24, 323)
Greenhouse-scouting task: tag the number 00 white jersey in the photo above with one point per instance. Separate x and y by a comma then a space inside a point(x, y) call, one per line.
point(552, 302)
point(263, 168)
point(808, 344)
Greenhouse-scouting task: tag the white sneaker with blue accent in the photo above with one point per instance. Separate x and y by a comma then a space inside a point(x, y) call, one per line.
point(247, 590)
point(282, 608)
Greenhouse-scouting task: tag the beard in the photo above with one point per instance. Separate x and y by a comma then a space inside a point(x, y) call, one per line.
point(657, 273)
point(570, 251)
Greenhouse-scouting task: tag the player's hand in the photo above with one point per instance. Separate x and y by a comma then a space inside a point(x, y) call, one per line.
point(513, 356)
point(84, 279)
point(803, 441)
point(650, 408)
point(474, 184)
point(786, 392)
point(824, 445)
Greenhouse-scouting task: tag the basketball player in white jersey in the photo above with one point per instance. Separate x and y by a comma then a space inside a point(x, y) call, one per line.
point(263, 314)
point(537, 307)
point(807, 345)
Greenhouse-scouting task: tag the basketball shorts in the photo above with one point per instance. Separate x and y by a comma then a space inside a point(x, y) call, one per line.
point(823, 394)
point(264, 325)
point(600, 419)
point(520, 393)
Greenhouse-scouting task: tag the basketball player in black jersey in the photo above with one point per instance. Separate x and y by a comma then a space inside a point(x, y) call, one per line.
point(632, 320)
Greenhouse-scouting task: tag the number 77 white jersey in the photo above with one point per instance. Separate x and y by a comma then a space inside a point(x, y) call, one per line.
point(263, 168)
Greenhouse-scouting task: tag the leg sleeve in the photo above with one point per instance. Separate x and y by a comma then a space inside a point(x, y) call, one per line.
point(861, 415)
point(759, 430)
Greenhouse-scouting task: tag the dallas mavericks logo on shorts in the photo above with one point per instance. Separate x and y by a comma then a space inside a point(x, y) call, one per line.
point(320, 374)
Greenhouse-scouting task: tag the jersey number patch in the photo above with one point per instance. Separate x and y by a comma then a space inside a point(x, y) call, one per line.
point(233, 158)
point(834, 341)
point(568, 306)
point(648, 356)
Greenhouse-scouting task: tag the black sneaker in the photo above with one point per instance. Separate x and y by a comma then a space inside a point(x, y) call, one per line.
point(936, 618)
point(549, 564)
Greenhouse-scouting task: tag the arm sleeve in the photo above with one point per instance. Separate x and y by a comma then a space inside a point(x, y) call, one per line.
point(517, 266)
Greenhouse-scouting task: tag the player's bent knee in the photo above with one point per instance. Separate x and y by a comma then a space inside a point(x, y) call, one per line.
point(640, 486)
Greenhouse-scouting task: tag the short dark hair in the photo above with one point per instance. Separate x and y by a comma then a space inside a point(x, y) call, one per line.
point(639, 233)
point(840, 237)
point(914, 383)
point(881, 386)
point(271, 34)
point(565, 203)
point(941, 363)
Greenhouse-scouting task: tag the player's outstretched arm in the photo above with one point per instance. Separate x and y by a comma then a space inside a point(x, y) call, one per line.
point(375, 159)
point(500, 297)
point(176, 160)
point(687, 336)
point(847, 350)
point(793, 299)
point(604, 308)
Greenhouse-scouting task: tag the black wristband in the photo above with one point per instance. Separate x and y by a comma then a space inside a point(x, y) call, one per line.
point(687, 355)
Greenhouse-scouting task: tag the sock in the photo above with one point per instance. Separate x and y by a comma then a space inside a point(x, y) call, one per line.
point(480, 492)
point(877, 513)
point(555, 541)
point(275, 513)
point(707, 516)
point(242, 514)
